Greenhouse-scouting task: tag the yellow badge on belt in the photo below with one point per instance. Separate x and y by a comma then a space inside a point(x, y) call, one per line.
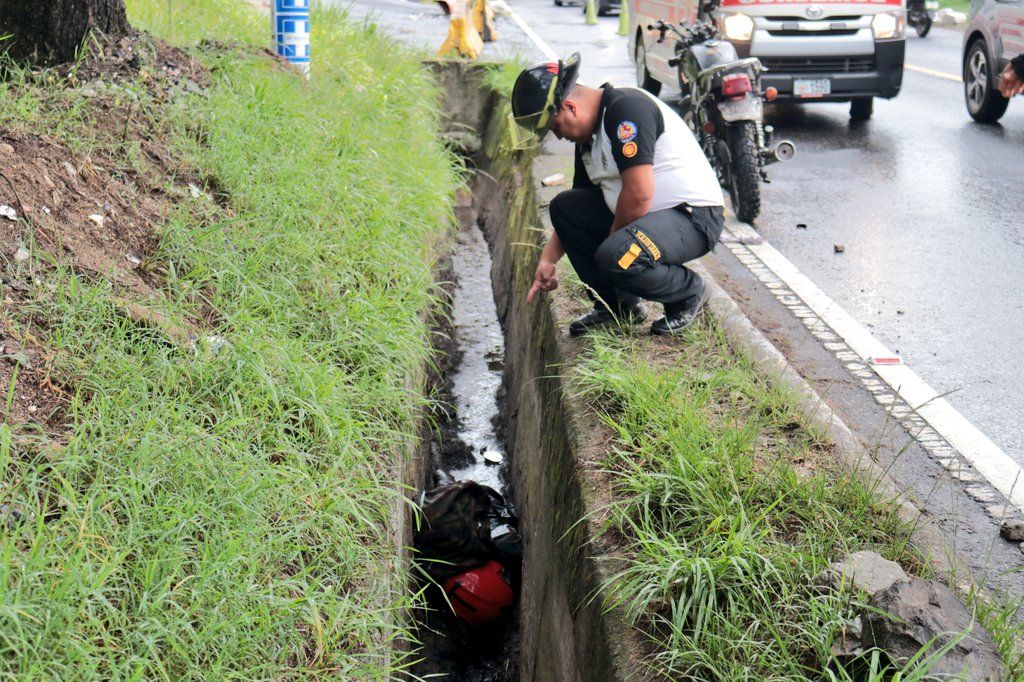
point(629, 150)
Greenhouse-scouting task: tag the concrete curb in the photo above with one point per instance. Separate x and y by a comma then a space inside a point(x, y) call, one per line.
point(854, 457)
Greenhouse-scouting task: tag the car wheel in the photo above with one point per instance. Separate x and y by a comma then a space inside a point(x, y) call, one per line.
point(984, 103)
point(643, 76)
point(861, 108)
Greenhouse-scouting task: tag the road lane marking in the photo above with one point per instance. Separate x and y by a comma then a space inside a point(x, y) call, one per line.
point(549, 54)
point(986, 457)
point(934, 73)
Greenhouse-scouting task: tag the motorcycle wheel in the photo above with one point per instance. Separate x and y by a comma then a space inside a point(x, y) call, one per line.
point(923, 26)
point(744, 172)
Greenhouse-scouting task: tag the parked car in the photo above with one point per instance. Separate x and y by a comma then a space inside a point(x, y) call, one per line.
point(813, 51)
point(604, 7)
point(994, 36)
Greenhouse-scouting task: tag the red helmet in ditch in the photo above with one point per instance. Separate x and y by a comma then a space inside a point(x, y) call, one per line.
point(479, 595)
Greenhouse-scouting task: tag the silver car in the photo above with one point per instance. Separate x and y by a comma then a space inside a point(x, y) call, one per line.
point(994, 36)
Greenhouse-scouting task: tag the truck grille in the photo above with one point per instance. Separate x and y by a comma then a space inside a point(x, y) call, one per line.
point(790, 32)
point(863, 64)
point(838, 17)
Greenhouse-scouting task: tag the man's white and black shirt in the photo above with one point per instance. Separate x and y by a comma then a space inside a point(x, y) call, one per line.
point(637, 128)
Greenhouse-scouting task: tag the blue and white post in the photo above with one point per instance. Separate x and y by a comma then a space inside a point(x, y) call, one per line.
point(291, 31)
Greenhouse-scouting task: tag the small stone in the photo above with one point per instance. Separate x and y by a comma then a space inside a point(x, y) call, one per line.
point(6, 148)
point(1012, 530)
point(900, 311)
point(839, 248)
point(88, 92)
point(46, 210)
point(22, 254)
point(867, 572)
point(194, 191)
point(493, 457)
point(554, 180)
point(97, 218)
point(32, 409)
point(8, 212)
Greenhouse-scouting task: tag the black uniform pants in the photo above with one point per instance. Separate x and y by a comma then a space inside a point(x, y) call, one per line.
point(645, 259)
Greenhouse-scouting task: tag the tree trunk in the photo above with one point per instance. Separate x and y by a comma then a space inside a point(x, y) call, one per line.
point(52, 31)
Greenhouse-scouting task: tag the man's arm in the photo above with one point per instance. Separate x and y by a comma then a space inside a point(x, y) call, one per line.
point(633, 125)
point(635, 197)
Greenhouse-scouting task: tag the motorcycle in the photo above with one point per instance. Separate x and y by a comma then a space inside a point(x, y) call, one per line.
point(723, 105)
point(920, 14)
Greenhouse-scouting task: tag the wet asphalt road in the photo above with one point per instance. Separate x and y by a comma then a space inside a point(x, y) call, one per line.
point(929, 205)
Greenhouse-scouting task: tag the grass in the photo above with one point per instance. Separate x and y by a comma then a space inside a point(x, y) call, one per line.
point(728, 508)
point(222, 512)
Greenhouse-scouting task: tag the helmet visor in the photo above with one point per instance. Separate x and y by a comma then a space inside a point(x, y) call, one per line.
point(540, 121)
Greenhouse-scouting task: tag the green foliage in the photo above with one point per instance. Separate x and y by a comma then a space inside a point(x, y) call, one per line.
point(729, 508)
point(221, 512)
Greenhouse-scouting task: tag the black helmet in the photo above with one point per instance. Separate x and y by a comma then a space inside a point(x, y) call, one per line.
point(540, 89)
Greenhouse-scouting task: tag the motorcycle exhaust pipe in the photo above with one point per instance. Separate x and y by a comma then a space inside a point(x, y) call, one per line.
point(784, 150)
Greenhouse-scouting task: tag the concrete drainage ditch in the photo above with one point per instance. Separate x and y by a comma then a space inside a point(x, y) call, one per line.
point(560, 630)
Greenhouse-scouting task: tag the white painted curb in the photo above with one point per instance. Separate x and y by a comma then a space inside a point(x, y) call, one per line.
point(770, 362)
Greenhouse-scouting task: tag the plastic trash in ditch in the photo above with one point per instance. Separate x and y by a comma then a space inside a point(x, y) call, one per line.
point(468, 541)
point(464, 525)
point(481, 595)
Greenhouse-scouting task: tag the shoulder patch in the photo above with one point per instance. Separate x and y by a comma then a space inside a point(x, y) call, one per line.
point(629, 150)
point(626, 131)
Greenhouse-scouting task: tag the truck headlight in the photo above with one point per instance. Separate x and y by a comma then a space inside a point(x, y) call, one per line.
point(738, 26)
point(887, 25)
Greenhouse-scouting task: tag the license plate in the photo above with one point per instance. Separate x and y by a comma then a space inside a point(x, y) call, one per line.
point(745, 109)
point(814, 87)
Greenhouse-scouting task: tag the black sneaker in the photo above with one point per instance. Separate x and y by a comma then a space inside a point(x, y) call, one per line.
point(679, 316)
point(600, 317)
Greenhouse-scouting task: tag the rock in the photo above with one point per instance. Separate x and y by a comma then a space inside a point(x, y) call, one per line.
point(97, 218)
point(8, 212)
point(12, 517)
point(1012, 530)
point(866, 572)
point(6, 148)
point(839, 248)
point(848, 639)
point(904, 618)
point(554, 180)
point(22, 254)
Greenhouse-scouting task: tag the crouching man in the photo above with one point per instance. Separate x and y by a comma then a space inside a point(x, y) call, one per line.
point(644, 199)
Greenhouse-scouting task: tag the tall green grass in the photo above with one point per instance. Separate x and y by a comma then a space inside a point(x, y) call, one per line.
point(221, 512)
point(728, 508)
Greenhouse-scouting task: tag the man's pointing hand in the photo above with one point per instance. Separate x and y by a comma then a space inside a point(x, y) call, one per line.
point(544, 279)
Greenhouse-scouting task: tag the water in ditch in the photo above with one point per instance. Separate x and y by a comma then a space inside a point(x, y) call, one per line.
point(469, 447)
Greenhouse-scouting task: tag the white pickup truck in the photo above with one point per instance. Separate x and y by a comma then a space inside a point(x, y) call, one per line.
point(824, 51)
